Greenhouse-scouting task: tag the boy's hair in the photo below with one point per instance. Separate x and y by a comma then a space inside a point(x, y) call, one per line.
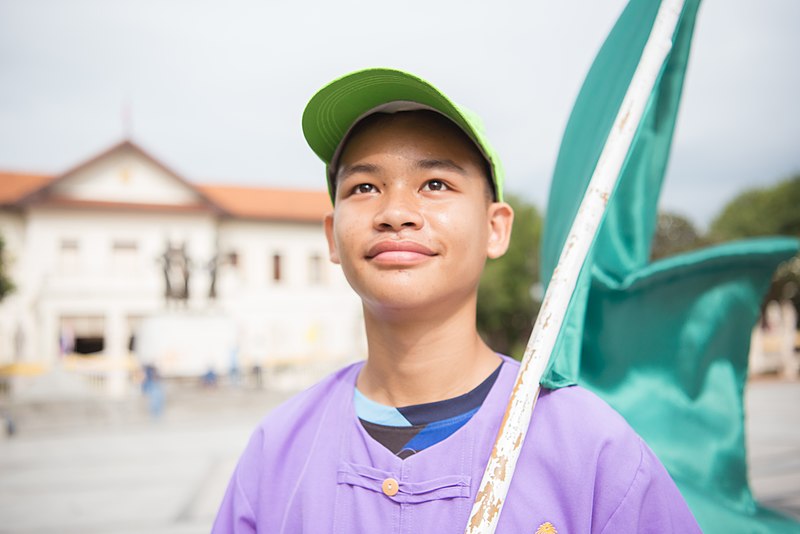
point(337, 108)
point(446, 124)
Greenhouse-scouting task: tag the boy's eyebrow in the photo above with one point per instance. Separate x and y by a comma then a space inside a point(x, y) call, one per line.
point(349, 170)
point(369, 168)
point(445, 164)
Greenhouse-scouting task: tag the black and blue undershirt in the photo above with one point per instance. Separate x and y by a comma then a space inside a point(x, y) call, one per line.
point(408, 430)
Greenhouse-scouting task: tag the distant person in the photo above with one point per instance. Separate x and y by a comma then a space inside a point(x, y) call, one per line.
point(788, 339)
point(210, 378)
point(9, 427)
point(257, 374)
point(153, 390)
point(66, 340)
point(399, 443)
point(234, 374)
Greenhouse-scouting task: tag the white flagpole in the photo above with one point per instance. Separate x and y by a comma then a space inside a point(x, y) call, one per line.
point(503, 460)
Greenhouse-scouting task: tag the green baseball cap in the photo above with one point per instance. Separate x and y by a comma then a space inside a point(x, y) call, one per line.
point(331, 114)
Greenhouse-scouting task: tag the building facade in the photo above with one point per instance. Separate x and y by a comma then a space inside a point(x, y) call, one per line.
point(120, 260)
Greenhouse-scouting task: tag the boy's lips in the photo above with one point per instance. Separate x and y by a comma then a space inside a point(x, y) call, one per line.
point(399, 252)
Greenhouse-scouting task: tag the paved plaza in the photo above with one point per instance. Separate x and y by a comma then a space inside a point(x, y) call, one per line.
point(80, 466)
point(773, 444)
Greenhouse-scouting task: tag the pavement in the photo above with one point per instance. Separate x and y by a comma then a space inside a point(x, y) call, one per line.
point(106, 467)
point(772, 434)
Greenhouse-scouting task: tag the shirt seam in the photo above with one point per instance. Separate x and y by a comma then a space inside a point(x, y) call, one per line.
point(245, 499)
point(630, 487)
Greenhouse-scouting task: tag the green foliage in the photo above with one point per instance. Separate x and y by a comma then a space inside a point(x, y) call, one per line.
point(6, 286)
point(506, 307)
point(674, 234)
point(770, 211)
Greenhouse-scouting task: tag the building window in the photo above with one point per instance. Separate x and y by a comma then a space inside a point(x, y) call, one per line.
point(125, 255)
point(123, 245)
point(133, 323)
point(316, 273)
point(69, 255)
point(277, 274)
point(81, 335)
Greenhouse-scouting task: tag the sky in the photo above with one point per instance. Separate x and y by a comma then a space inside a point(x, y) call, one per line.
point(215, 90)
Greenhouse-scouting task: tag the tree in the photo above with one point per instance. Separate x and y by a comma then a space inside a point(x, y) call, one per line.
point(506, 304)
point(6, 286)
point(674, 234)
point(769, 211)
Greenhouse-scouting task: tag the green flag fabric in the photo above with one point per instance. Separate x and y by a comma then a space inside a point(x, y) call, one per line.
point(623, 242)
point(665, 343)
point(667, 347)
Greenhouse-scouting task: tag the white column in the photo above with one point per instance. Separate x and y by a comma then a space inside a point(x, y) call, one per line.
point(45, 345)
point(116, 350)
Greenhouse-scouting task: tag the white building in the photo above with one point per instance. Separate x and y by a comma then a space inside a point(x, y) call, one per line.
point(86, 251)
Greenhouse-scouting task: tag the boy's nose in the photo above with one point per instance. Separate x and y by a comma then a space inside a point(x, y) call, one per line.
point(398, 211)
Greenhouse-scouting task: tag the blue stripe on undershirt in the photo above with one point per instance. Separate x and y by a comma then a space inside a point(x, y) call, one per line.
point(377, 413)
point(433, 433)
point(410, 429)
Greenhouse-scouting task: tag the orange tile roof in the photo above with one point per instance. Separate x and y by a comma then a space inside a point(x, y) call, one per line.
point(244, 202)
point(264, 203)
point(64, 202)
point(15, 185)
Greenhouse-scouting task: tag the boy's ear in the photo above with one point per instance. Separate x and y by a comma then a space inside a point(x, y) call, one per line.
point(333, 254)
point(501, 218)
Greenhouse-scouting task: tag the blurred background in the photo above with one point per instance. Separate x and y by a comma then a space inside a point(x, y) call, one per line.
point(163, 275)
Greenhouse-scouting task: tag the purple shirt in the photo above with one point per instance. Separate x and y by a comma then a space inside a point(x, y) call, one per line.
point(311, 467)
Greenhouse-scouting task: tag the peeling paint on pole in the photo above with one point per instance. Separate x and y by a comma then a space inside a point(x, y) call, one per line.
point(514, 427)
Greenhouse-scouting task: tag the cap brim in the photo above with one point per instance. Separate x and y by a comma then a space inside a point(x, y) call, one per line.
point(333, 110)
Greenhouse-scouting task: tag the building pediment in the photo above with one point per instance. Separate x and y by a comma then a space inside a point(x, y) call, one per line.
point(124, 175)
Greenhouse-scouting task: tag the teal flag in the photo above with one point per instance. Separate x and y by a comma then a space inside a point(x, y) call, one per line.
point(664, 343)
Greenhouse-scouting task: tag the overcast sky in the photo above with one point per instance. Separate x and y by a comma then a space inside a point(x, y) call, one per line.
point(216, 89)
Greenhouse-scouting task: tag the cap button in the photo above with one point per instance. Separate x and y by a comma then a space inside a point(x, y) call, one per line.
point(390, 487)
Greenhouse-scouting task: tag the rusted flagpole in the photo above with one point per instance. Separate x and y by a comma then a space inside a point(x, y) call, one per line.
point(514, 427)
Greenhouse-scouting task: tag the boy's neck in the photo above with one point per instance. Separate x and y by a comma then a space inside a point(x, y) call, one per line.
point(416, 360)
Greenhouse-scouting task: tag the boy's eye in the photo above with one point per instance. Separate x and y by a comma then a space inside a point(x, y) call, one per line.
point(435, 185)
point(364, 188)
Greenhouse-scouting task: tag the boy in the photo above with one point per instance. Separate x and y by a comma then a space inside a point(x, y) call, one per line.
point(399, 443)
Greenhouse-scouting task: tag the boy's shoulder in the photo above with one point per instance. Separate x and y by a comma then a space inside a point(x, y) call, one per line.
point(308, 407)
point(575, 405)
point(576, 409)
point(583, 444)
point(574, 426)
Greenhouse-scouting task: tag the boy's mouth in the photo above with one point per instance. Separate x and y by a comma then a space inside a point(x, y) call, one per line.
point(399, 252)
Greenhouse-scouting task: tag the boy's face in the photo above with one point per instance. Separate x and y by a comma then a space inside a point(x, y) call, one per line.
point(413, 221)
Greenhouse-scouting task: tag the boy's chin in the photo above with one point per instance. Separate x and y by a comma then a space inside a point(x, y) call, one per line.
point(412, 304)
point(399, 298)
